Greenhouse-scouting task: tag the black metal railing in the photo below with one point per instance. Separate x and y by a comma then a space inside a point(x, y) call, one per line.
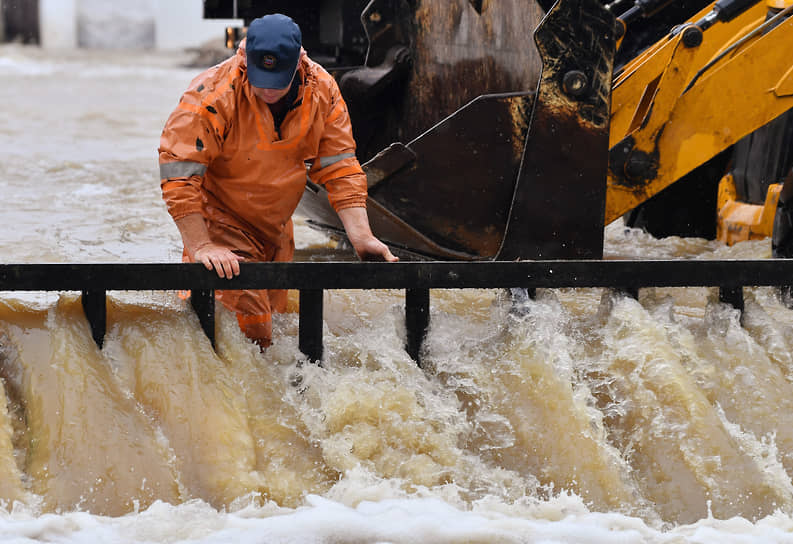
point(417, 278)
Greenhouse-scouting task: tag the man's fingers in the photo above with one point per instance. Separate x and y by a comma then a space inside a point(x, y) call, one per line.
point(387, 255)
point(224, 261)
point(228, 267)
point(375, 250)
point(231, 265)
point(213, 262)
point(217, 264)
point(207, 260)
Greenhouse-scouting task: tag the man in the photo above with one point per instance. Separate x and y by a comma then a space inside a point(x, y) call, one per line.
point(233, 160)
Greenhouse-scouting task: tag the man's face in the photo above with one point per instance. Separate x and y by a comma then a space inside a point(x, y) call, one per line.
point(271, 96)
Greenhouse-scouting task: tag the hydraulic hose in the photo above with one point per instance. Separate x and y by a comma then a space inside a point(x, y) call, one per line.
point(770, 23)
point(725, 11)
point(643, 9)
point(619, 6)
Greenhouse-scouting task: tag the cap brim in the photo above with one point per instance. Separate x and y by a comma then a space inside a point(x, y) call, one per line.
point(270, 79)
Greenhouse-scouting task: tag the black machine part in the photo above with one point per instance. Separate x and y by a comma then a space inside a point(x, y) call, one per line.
point(494, 180)
point(643, 9)
point(566, 151)
point(644, 31)
point(782, 238)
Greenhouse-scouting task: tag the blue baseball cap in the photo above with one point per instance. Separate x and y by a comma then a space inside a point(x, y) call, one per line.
point(272, 47)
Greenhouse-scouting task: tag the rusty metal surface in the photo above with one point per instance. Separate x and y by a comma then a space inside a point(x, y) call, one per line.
point(388, 162)
point(451, 192)
point(461, 52)
point(447, 193)
point(458, 191)
point(559, 202)
point(405, 241)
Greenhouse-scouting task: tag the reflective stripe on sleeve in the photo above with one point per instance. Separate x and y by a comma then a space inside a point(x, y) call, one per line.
point(327, 161)
point(183, 169)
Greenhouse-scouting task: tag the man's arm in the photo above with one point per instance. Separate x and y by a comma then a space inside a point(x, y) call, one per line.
point(368, 248)
point(200, 247)
point(184, 159)
point(337, 168)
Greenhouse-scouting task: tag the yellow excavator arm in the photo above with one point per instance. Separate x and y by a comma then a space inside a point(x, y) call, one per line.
point(693, 95)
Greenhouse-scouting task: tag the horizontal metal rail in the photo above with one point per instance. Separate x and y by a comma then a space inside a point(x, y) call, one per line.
point(312, 278)
point(423, 274)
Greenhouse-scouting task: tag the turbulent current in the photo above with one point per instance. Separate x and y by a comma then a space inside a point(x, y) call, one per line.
point(581, 416)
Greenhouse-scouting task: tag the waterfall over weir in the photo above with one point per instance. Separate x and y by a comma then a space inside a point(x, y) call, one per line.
point(631, 406)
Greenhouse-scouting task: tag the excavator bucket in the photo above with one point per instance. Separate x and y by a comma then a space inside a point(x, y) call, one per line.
point(519, 174)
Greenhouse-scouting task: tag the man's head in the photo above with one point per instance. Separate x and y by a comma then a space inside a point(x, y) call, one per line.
point(272, 47)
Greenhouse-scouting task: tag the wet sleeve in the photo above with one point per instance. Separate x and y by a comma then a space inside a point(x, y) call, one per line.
point(188, 144)
point(336, 166)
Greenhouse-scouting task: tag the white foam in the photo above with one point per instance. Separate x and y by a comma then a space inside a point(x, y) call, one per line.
point(394, 521)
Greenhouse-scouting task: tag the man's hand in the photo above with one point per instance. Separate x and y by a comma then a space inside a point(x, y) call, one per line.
point(224, 261)
point(372, 249)
point(201, 249)
point(368, 248)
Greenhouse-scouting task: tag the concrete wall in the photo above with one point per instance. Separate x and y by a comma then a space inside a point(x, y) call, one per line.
point(58, 23)
point(160, 24)
point(108, 24)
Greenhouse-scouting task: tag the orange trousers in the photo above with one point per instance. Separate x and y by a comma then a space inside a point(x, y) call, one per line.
point(253, 307)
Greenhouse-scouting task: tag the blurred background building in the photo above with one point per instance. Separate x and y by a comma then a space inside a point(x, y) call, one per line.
point(117, 24)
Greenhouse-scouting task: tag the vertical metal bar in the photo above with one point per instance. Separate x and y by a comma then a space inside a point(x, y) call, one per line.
point(732, 295)
point(203, 302)
point(786, 295)
point(632, 292)
point(310, 329)
point(95, 309)
point(417, 319)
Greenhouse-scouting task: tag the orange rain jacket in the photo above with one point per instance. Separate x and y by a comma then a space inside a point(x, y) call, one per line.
point(221, 156)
